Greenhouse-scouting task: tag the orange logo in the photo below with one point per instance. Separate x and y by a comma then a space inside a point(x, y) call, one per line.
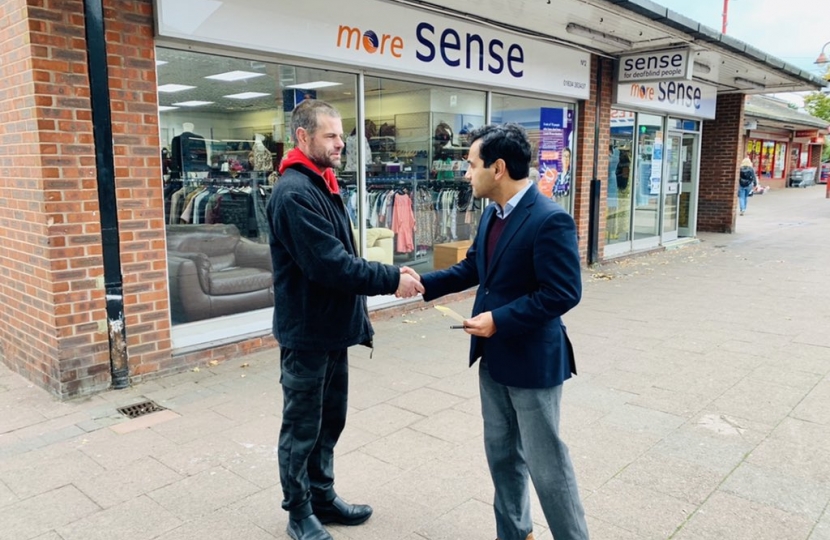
point(351, 37)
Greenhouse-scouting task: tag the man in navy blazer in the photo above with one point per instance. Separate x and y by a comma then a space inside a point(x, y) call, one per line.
point(525, 261)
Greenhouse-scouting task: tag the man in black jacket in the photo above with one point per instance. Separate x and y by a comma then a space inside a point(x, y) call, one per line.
point(320, 287)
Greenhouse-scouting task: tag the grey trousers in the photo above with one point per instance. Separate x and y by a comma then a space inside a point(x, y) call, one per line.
point(315, 387)
point(521, 440)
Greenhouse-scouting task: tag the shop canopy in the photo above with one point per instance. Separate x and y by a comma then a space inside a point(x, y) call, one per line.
point(772, 112)
point(616, 28)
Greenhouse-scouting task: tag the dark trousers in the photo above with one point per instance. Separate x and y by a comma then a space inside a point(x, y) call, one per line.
point(315, 388)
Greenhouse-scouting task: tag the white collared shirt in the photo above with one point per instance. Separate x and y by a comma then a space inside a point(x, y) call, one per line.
point(512, 203)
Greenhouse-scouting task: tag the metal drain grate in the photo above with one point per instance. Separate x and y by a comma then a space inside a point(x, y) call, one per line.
point(140, 409)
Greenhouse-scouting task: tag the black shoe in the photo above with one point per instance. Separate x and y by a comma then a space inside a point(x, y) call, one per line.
point(339, 511)
point(308, 528)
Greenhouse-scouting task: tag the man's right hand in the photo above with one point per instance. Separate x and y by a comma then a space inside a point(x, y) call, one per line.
point(409, 286)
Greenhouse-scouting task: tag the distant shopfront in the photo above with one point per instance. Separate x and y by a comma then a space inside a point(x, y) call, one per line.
point(654, 159)
point(781, 140)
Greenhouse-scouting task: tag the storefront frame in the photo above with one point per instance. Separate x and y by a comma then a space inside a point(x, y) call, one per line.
point(193, 336)
point(659, 239)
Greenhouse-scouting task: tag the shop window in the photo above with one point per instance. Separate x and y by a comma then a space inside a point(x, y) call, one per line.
point(780, 159)
point(418, 140)
point(550, 127)
point(223, 128)
point(618, 187)
point(753, 152)
point(648, 175)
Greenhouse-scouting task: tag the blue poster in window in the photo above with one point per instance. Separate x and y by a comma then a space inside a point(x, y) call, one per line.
point(555, 127)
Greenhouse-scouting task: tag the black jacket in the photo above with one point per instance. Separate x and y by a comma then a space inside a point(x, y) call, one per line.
point(747, 177)
point(320, 284)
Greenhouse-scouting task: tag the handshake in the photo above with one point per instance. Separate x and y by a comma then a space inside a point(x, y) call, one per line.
point(410, 284)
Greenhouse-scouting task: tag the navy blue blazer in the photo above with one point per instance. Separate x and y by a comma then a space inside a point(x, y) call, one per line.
point(533, 279)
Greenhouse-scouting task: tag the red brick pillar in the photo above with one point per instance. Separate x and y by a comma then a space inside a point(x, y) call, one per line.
point(53, 324)
point(586, 129)
point(722, 149)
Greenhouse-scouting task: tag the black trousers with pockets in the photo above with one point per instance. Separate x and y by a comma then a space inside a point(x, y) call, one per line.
point(315, 387)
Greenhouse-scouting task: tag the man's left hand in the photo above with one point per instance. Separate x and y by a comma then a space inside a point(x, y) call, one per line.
point(481, 325)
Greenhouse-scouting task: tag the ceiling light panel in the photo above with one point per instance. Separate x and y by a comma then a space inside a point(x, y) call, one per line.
point(231, 76)
point(248, 95)
point(194, 103)
point(170, 88)
point(313, 85)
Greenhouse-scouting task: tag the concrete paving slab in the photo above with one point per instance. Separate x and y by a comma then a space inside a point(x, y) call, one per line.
point(222, 525)
point(473, 519)
point(42, 476)
point(729, 516)
point(648, 513)
point(383, 419)
point(138, 519)
point(451, 425)
point(672, 476)
point(28, 518)
point(111, 488)
point(7, 497)
point(772, 488)
point(113, 451)
point(408, 448)
point(202, 494)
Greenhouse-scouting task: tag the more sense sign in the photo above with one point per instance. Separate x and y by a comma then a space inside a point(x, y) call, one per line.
point(655, 66)
point(375, 34)
point(683, 98)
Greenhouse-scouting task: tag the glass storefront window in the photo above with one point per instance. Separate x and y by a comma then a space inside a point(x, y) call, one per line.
point(223, 127)
point(648, 175)
point(753, 152)
point(418, 139)
point(618, 189)
point(550, 127)
point(780, 159)
point(767, 156)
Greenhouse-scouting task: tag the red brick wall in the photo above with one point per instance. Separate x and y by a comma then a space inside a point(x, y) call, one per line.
point(586, 126)
point(815, 158)
point(722, 149)
point(54, 319)
point(30, 166)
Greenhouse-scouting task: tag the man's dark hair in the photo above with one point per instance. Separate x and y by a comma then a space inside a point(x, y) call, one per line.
point(306, 113)
point(504, 141)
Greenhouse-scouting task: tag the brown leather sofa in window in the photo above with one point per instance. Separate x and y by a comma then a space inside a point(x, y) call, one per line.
point(213, 271)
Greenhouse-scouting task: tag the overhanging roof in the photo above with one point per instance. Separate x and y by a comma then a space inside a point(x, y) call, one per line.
point(641, 26)
point(766, 108)
point(706, 34)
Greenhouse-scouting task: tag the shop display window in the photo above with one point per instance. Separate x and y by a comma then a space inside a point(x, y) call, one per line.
point(780, 159)
point(417, 147)
point(618, 189)
point(223, 127)
point(550, 128)
point(768, 157)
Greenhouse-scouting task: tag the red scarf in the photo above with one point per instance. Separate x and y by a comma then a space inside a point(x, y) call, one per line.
point(296, 157)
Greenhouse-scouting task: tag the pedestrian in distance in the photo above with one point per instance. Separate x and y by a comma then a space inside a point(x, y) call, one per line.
point(747, 180)
point(525, 261)
point(320, 289)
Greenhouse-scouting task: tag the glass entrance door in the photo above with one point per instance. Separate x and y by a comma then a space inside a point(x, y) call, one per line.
point(648, 178)
point(671, 186)
point(687, 204)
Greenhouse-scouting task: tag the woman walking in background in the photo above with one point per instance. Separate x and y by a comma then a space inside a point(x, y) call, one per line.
point(746, 182)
